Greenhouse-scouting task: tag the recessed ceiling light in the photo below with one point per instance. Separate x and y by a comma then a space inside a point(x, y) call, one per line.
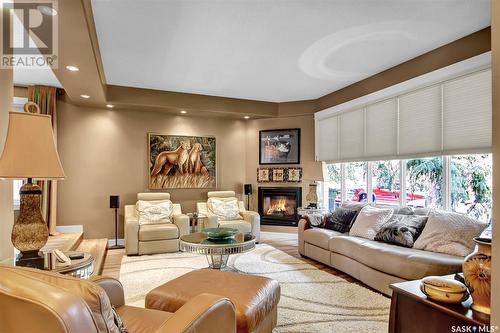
point(85, 96)
point(110, 106)
point(47, 10)
point(246, 117)
point(184, 111)
point(72, 68)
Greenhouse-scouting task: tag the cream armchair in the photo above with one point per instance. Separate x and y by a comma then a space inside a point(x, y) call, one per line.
point(154, 238)
point(249, 221)
point(39, 301)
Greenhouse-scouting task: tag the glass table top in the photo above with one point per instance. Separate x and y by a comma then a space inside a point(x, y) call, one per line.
point(202, 239)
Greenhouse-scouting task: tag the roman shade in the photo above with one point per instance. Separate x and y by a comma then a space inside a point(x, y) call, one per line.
point(448, 117)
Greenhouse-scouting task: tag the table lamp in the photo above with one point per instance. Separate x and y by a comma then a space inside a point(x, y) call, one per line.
point(313, 171)
point(30, 152)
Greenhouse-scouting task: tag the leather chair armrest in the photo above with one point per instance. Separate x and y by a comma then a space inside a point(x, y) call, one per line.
point(131, 235)
point(182, 222)
point(254, 219)
point(113, 289)
point(203, 313)
point(303, 225)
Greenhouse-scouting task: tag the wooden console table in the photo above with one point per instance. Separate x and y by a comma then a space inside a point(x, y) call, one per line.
point(413, 312)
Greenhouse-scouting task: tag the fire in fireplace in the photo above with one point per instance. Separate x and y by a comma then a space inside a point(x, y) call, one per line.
point(278, 205)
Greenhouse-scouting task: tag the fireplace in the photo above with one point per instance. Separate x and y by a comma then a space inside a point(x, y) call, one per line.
point(278, 205)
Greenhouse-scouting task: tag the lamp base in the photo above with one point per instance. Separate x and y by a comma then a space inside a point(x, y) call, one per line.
point(30, 259)
point(115, 247)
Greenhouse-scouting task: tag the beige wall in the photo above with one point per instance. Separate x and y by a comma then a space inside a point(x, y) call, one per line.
point(305, 123)
point(104, 152)
point(495, 64)
point(6, 210)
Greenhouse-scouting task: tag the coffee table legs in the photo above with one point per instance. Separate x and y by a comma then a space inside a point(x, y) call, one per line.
point(219, 261)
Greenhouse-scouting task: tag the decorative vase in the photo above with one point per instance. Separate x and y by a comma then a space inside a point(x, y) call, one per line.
point(477, 275)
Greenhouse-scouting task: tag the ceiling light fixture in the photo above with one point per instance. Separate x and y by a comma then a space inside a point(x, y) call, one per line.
point(72, 68)
point(110, 106)
point(47, 10)
point(184, 111)
point(85, 96)
point(246, 117)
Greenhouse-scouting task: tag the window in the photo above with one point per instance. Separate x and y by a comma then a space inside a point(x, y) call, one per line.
point(16, 187)
point(386, 184)
point(460, 183)
point(332, 187)
point(424, 182)
point(471, 185)
point(355, 181)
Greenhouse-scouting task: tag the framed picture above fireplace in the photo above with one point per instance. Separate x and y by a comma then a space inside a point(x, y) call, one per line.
point(279, 146)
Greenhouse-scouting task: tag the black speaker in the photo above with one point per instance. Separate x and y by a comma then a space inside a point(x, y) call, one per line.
point(114, 201)
point(248, 189)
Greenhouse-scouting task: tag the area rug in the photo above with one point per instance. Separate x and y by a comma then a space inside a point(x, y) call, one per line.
point(311, 300)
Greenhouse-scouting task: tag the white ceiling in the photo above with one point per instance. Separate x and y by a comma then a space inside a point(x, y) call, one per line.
point(271, 50)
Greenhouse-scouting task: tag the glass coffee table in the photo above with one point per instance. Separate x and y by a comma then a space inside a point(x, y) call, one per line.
point(217, 251)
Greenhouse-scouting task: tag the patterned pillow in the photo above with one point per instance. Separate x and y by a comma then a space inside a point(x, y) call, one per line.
point(226, 209)
point(401, 229)
point(341, 219)
point(369, 221)
point(154, 212)
point(449, 233)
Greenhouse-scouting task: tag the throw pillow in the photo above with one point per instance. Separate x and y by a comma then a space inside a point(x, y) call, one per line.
point(369, 221)
point(226, 209)
point(404, 210)
point(354, 205)
point(315, 219)
point(401, 229)
point(154, 212)
point(341, 219)
point(449, 233)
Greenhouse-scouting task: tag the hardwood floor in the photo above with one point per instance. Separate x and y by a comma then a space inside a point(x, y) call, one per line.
point(286, 242)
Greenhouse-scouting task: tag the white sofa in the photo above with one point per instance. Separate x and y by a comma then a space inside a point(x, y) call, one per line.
point(249, 223)
point(374, 263)
point(154, 238)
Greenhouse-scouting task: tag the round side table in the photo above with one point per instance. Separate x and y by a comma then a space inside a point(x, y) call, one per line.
point(197, 221)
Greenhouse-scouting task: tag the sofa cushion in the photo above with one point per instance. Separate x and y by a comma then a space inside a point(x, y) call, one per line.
point(406, 263)
point(319, 236)
point(225, 208)
point(369, 221)
point(241, 225)
point(154, 212)
point(354, 205)
point(401, 229)
point(149, 232)
point(341, 219)
point(450, 233)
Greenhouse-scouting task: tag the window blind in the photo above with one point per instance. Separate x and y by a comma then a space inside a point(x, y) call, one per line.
point(449, 117)
point(467, 113)
point(381, 129)
point(420, 121)
point(352, 134)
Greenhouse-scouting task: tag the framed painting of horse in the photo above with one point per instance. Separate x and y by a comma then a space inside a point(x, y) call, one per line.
point(178, 161)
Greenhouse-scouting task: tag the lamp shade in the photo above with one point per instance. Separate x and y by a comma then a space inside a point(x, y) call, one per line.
point(30, 149)
point(313, 170)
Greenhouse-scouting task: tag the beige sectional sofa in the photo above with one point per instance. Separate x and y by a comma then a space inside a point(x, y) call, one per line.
point(374, 263)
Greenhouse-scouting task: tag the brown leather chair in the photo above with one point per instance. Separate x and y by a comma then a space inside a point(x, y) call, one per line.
point(38, 301)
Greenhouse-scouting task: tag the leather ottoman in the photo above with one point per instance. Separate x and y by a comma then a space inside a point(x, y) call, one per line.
point(254, 297)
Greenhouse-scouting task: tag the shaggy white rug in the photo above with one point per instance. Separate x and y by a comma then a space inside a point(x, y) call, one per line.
point(311, 300)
